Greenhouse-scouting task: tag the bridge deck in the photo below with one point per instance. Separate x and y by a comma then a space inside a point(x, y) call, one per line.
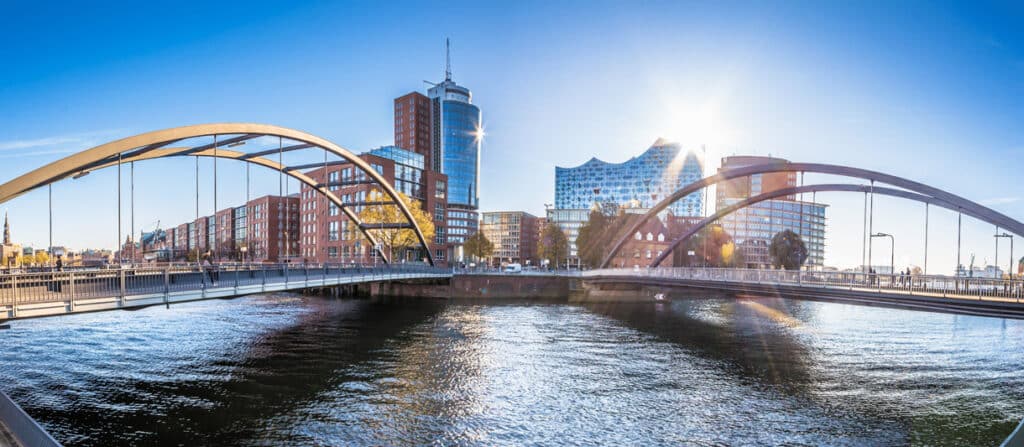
point(27, 295)
point(977, 296)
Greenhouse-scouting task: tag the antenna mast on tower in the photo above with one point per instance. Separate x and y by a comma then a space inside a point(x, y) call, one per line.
point(447, 60)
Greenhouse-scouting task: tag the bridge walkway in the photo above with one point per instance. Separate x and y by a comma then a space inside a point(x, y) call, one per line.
point(36, 294)
point(976, 296)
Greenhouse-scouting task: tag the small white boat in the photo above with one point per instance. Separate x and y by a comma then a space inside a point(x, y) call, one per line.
point(659, 297)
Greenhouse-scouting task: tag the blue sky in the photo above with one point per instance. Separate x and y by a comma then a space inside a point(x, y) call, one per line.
point(927, 91)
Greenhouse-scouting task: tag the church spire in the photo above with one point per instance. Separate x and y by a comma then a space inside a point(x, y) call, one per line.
point(7, 231)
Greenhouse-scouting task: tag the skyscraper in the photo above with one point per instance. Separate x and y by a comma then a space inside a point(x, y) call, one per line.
point(456, 135)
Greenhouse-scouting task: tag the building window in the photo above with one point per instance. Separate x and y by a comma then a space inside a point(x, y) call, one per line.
point(332, 252)
point(650, 236)
point(332, 231)
point(439, 189)
point(638, 236)
point(332, 179)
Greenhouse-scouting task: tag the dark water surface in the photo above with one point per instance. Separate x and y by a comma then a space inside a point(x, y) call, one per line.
point(290, 370)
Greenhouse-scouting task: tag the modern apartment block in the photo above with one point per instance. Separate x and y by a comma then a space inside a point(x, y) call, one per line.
point(514, 235)
point(328, 235)
point(753, 227)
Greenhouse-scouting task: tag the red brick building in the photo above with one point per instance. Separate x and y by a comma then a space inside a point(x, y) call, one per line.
point(255, 232)
point(199, 236)
point(744, 187)
point(272, 231)
point(327, 235)
point(413, 124)
point(225, 234)
point(647, 243)
point(180, 247)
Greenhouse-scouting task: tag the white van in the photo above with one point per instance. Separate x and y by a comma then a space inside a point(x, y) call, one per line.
point(513, 268)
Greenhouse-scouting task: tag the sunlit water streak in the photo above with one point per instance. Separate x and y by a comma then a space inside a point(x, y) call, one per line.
point(284, 369)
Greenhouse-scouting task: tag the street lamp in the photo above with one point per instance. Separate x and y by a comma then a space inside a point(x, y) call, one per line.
point(892, 251)
point(1009, 271)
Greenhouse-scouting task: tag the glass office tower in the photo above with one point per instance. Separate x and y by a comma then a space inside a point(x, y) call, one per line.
point(456, 153)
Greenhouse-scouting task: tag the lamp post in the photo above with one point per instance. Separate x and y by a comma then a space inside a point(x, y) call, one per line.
point(1009, 270)
point(892, 251)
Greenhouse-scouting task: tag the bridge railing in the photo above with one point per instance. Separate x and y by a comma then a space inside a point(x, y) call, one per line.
point(498, 271)
point(925, 285)
point(36, 287)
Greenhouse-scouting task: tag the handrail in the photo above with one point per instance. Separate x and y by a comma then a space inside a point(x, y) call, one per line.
point(960, 287)
point(19, 289)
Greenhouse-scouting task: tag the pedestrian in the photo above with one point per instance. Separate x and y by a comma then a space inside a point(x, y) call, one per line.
point(60, 264)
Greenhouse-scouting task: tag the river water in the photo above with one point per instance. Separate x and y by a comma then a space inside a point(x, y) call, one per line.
point(292, 370)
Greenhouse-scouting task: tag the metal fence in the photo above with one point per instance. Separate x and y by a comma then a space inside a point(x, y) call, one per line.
point(925, 285)
point(524, 272)
point(25, 288)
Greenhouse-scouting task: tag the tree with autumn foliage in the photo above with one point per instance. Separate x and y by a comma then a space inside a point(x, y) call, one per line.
point(478, 246)
point(713, 246)
point(395, 240)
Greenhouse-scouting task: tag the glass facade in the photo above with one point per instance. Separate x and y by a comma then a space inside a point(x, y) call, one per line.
point(457, 142)
point(514, 235)
point(408, 170)
point(640, 182)
point(456, 153)
point(754, 227)
point(570, 221)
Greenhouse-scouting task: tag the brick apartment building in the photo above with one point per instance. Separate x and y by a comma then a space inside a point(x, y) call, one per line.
point(255, 232)
point(272, 232)
point(327, 234)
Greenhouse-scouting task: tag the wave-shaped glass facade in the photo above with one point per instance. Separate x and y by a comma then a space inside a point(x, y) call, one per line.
point(640, 182)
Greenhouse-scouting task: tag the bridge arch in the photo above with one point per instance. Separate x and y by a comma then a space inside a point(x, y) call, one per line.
point(154, 145)
point(961, 204)
point(798, 190)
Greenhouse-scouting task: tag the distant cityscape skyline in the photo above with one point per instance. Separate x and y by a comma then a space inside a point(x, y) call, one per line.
point(753, 80)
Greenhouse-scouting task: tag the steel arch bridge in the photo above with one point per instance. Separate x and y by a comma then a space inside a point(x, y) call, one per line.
point(161, 144)
point(910, 190)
